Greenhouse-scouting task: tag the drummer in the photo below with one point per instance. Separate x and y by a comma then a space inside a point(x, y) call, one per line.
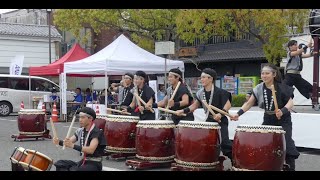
point(217, 97)
point(92, 144)
point(146, 93)
point(182, 98)
point(262, 94)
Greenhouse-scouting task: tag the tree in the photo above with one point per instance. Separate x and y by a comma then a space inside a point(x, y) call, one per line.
point(145, 25)
point(265, 26)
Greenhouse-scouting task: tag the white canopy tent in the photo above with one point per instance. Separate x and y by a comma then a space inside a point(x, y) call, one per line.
point(119, 57)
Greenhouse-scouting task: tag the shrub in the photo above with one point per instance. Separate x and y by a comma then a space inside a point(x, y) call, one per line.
point(238, 100)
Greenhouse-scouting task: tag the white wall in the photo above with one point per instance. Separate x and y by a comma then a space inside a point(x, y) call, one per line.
point(36, 52)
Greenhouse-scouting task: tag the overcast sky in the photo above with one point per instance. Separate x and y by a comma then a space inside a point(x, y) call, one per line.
point(6, 10)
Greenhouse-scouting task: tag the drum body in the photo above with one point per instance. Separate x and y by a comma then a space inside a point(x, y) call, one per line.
point(120, 133)
point(155, 141)
point(100, 122)
point(36, 161)
point(19, 155)
point(314, 22)
point(259, 148)
point(197, 144)
point(31, 121)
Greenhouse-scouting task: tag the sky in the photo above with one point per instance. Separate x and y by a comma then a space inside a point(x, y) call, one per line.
point(6, 10)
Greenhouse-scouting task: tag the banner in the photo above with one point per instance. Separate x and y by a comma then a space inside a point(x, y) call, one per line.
point(16, 65)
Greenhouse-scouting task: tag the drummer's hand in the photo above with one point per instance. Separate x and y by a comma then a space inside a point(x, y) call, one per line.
point(55, 140)
point(279, 114)
point(217, 117)
point(234, 117)
point(171, 103)
point(68, 143)
point(124, 110)
point(179, 112)
point(141, 108)
point(148, 106)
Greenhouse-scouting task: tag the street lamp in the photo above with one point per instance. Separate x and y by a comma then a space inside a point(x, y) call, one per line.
point(49, 23)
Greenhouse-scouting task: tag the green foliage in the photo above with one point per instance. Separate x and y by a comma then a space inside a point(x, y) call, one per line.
point(265, 25)
point(149, 25)
point(238, 100)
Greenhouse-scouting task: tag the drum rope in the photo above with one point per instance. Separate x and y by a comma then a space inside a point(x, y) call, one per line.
point(120, 150)
point(156, 159)
point(195, 164)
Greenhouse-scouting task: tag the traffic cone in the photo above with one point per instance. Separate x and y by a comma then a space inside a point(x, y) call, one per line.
point(21, 105)
point(97, 110)
point(54, 114)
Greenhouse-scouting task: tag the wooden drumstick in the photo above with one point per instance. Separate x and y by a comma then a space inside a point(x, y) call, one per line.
point(209, 109)
point(114, 110)
point(220, 111)
point(54, 132)
point(69, 131)
point(144, 103)
point(137, 99)
point(274, 99)
point(169, 111)
point(174, 93)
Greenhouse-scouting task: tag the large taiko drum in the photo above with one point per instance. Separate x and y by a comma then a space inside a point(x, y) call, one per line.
point(31, 121)
point(120, 132)
point(155, 141)
point(197, 144)
point(314, 22)
point(259, 148)
point(100, 121)
point(19, 155)
point(36, 161)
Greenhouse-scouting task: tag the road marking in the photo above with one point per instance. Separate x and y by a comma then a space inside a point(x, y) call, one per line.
point(72, 127)
point(6, 120)
point(104, 168)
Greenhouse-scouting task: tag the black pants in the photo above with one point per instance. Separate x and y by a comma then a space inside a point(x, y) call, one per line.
point(68, 165)
point(291, 151)
point(304, 87)
point(226, 144)
point(147, 115)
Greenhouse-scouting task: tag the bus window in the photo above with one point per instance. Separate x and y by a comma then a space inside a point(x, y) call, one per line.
point(19, 83)
point(41, 85)
point(4, 82)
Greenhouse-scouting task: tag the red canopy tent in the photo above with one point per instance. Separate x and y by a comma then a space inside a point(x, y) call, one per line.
point(55, 68)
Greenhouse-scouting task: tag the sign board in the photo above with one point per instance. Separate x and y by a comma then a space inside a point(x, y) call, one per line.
point(164, 47)
point(187, 52)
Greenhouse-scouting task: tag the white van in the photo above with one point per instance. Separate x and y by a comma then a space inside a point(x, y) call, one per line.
point(14, 89)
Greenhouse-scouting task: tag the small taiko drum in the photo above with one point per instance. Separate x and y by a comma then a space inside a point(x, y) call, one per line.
point(100, 121)
point(155, 141)
point(31, 121)
point(120, 132)
point(19, 155)
point(36, 161)
point(259, 148)
point(197, 144)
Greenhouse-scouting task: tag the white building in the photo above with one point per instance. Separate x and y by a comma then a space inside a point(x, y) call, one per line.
point(30, 40)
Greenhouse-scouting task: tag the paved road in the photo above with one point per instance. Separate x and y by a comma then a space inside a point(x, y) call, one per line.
point(308, 161)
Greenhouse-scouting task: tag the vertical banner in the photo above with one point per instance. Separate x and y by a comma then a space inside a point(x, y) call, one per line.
point(16, 65)
point(153, 85)
point(63, 93)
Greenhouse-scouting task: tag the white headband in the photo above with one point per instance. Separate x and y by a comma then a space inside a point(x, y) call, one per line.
point(85, 114)
point(176, 74)
point(205, 74)
point(267, 68)
point(127, 76)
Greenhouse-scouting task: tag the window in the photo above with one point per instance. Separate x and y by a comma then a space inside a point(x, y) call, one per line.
point(19, 83)
point(41, 85)
point(3, 82)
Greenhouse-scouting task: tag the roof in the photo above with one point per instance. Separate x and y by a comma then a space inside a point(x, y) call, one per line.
point(33, 30)
point(231, 51)
point(54, 69)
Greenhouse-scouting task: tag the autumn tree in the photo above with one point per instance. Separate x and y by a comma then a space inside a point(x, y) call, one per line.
point(268, 26)
point(144, 25)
